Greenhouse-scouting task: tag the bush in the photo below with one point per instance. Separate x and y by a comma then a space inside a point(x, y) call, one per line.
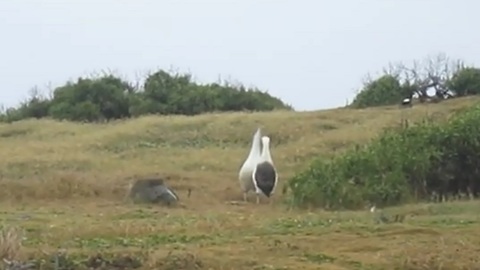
point(399, 166)
point(447, 78)
point(465, 82)
point(109, 97)
point(385, 90)
point(91, 100)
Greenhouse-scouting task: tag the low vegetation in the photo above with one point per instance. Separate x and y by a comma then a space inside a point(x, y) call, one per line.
point(431, 80)
point(63, 187)
point(400, 165)
point(108, 97)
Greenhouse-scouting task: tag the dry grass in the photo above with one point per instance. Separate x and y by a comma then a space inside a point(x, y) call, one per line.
point(10, 242)
point(64, 184)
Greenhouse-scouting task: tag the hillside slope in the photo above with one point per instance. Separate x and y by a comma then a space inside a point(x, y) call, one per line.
point(80, 170)
point(203, 152)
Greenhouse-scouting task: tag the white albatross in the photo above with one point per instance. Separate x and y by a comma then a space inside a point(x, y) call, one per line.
point(265, 177)
point(245, 174)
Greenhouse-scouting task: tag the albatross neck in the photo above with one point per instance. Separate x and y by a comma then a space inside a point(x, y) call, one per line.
point(255, 151)
point(266, 151)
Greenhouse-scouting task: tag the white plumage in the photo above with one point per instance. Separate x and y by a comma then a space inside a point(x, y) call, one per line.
point(407, 102)
point(264, 175)
point(246, 171)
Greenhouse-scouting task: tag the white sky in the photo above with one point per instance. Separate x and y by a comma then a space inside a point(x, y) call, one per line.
point(313, 54)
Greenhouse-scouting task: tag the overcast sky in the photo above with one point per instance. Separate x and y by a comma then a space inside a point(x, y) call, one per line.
point(313, 54)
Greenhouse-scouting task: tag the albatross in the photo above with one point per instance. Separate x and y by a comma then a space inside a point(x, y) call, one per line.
point(265, 177)
point(245, 174)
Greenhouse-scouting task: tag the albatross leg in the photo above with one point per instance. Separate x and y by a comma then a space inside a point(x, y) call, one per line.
point(245, 196)
point(258, 198)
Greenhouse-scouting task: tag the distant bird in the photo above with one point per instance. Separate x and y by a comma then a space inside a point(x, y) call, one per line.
point(265, 177)
point(246, 171)
point(407, 102)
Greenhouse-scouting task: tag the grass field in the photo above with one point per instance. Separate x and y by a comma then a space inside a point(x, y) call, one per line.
point(63, 185)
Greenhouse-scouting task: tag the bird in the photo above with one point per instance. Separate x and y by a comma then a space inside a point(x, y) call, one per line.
point(407, 102)
point(153, 190)
point(164, 194)
point(245, 174)
point(265, 177)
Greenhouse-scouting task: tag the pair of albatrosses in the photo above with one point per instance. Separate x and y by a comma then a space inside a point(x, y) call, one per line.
point(258, 171)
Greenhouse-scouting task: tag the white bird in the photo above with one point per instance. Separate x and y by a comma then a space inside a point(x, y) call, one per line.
point(265, 177)
point(407, 102)
point(245, 174)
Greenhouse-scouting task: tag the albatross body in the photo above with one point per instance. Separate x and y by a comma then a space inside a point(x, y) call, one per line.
point(265, 177)
point(246, 171)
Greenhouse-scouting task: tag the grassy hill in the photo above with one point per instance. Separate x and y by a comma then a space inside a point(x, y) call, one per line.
point(64, 184)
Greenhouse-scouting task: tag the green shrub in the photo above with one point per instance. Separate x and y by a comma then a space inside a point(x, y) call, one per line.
point(465, 82)
point(448, 78)
point(385, 90)
point(399, 166)
point(109, 97)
